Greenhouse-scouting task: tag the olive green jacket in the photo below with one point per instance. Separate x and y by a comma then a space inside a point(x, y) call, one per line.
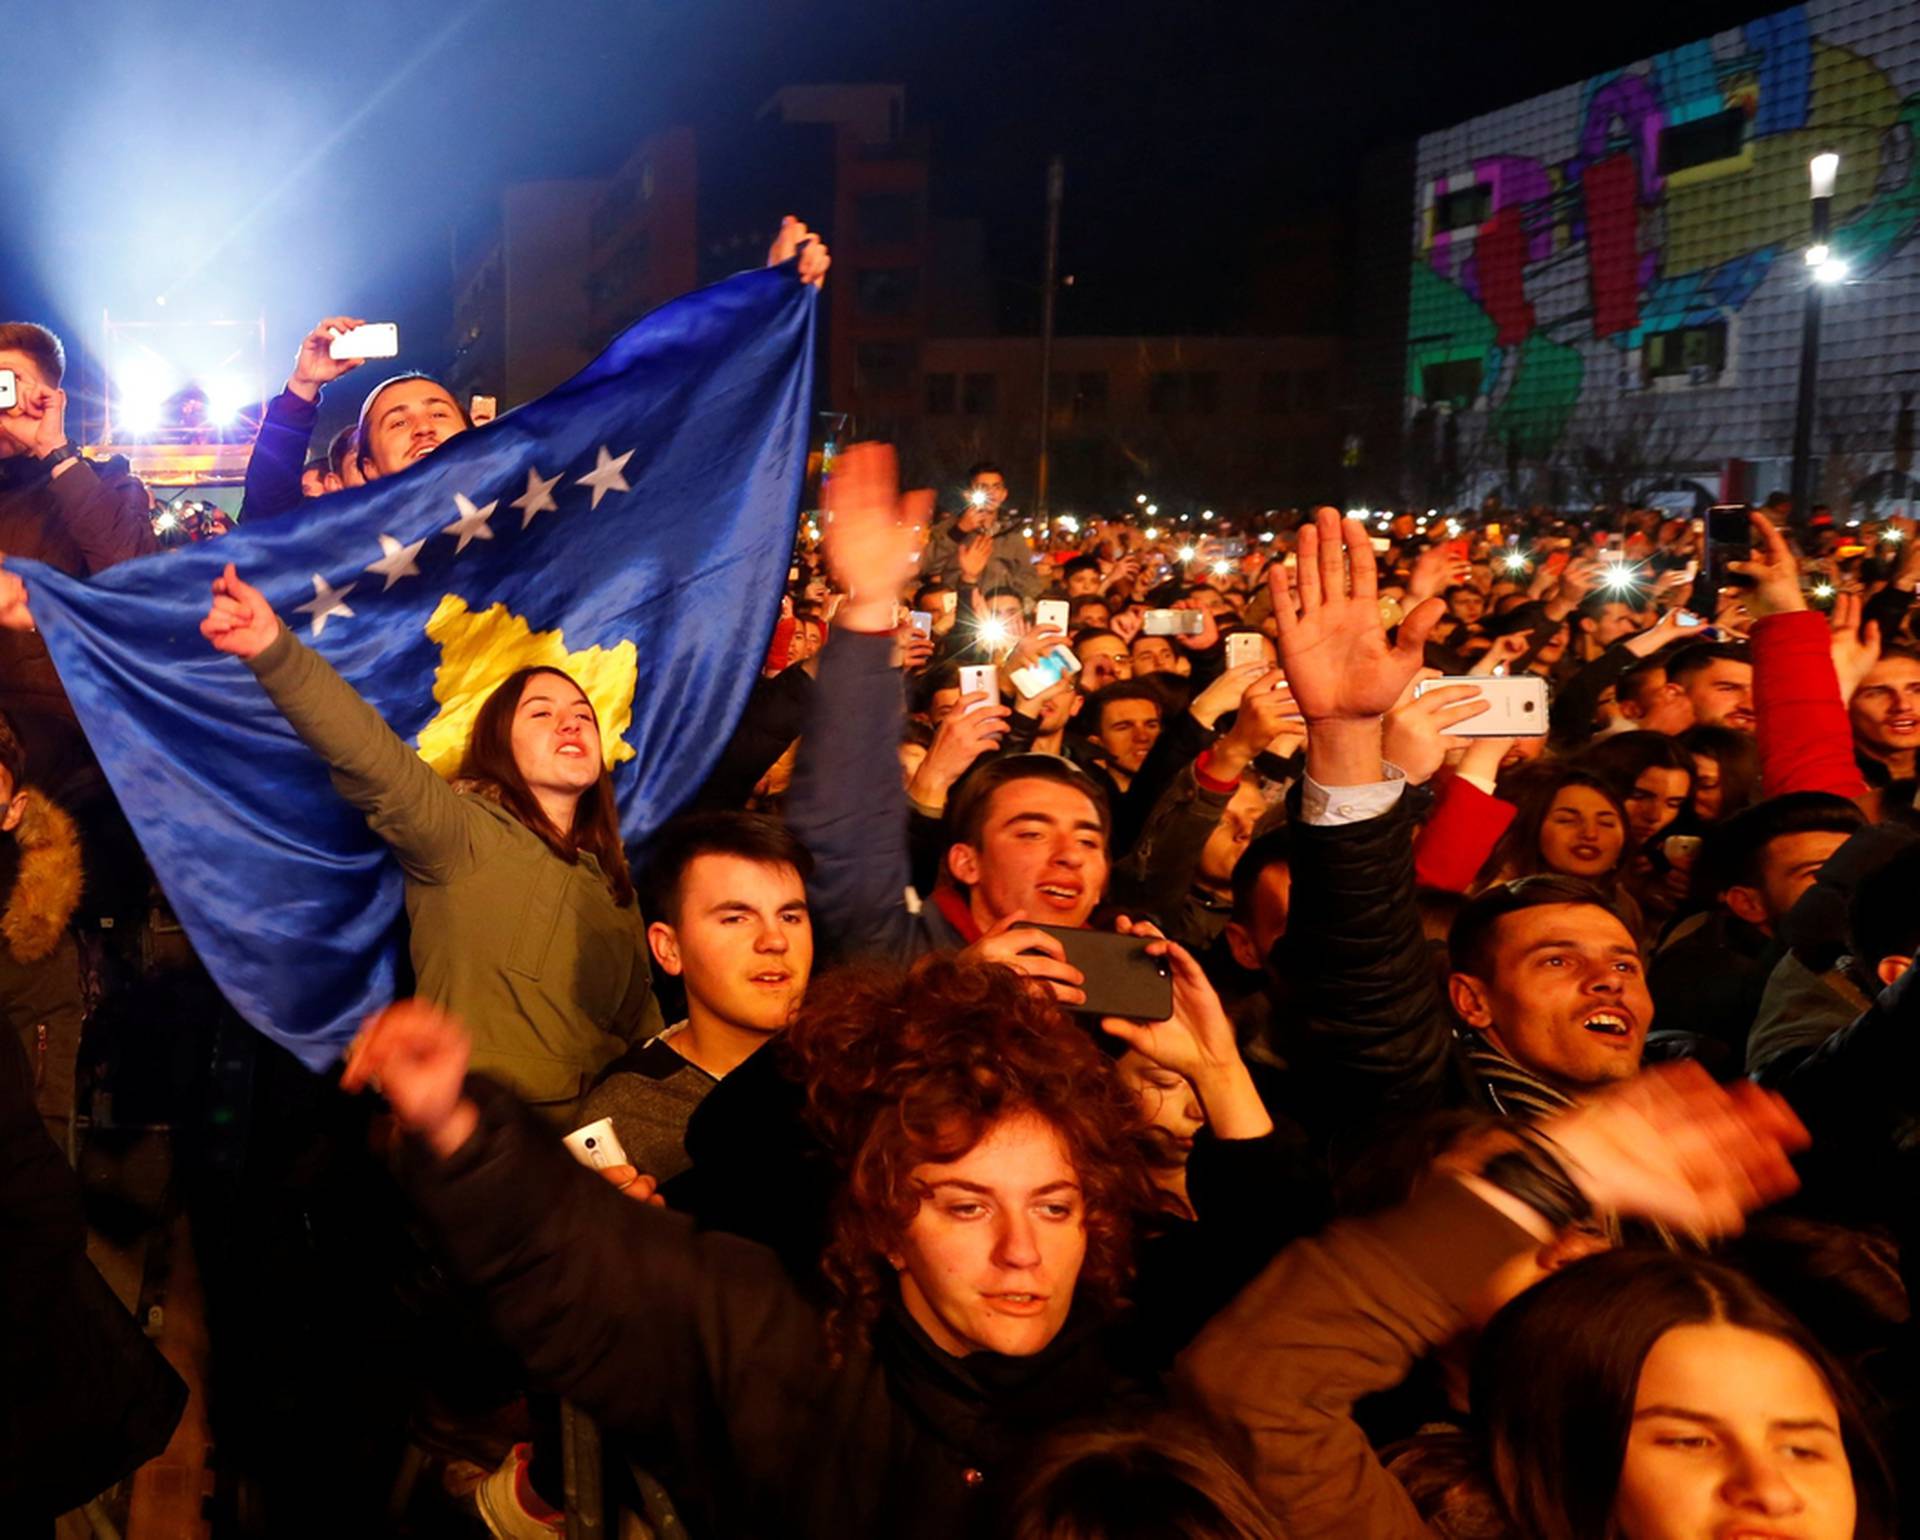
point(529, 950)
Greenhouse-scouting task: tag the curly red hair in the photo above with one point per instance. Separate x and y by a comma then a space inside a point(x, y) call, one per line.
point(909, 1069)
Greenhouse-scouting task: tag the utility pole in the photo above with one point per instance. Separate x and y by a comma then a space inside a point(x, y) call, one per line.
point(1056, 189)
point(1823, 268)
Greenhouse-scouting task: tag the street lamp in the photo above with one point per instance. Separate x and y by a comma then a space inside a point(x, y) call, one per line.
point(1823, 270)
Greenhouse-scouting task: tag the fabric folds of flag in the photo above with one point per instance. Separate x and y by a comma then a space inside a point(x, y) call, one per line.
point(633, 527)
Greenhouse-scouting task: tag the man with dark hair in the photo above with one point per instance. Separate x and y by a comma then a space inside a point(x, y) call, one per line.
point(980, 549)
point(74, 514)
point(1123, 720)
point(1104, 660)
point(1081, 577)
point(1089, 611)
point(1716, 680)
point(729, 896)
point(1710, 974)
point(343, 459)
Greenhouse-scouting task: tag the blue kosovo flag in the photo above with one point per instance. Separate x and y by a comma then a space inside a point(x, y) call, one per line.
point(632, 527)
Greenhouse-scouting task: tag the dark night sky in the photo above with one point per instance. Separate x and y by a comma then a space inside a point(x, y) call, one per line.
point(248, 158)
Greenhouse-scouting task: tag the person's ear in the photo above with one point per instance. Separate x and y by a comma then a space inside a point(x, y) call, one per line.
point(1746, 904)
point(1469, 999)
point(1889, 969)
point(1240, 944)
point(963, 861)
point(16, 809)
point(665, 945)
point(1073, 705)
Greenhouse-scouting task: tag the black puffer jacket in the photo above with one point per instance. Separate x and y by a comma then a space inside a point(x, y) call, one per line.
point(697, 1347)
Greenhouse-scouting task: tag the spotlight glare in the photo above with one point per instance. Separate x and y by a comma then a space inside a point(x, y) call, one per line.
point(1141, 498)
point(1152, 533)
point(226, 399)
point(1266, 537)
point(1833, 270)
point(993, 633)
point(1186, 553)
point(1222, 568)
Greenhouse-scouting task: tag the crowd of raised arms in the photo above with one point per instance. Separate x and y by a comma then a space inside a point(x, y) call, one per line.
point(1526, 1149)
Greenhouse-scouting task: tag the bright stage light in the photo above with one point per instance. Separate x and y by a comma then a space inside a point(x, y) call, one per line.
point(227, 398)
point(1186, 553)
point(1833, 270)
point(145, 381)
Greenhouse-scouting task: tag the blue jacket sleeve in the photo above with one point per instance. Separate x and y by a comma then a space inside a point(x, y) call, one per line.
point(849, 804)
point(279, 455)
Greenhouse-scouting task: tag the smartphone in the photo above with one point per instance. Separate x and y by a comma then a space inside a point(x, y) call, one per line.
point(949, 601)
point(793, 574)
point(1557, 563)
point(597, 1146)
point(1122, 977)
point(981, 679)
point(1459, 550)
point(921, 621)
point(1380, 543)
point(378, 339)
point(1243, 647)
point(1679, 848)
point(1053, 665)
point(9, 390)
point(480, 409)
point(1173, 623)
point(1516, 706)
point(1686, 620)
point(1051, 612)
point(1729, 539)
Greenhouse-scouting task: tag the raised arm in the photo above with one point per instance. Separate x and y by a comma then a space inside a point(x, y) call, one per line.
point(848, 804)
point(1374, 1033)
point(406, 802)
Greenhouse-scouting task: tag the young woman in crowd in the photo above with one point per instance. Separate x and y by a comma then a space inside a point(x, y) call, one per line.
point(1680, 1400)
point(992, 1172)
point(1568, 822)
point(1726, 770)
point(522, 909)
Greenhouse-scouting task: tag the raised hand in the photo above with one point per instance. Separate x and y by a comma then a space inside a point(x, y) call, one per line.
point(1434, 571)
point(15, 615)
point(1334, 648)
point(1224, 693)
point(872, 535)
point(240, 622)
point(1775, 572)
point(972, 554)
point(415, 1055)
point(38, 423)
point(1209, 636)
point(795, 237)
point(1036, 956)
point(1196, 1041)
point(1673, 1146)
point(974, 727)
point(314, 365)
point(1266, 709)
point(1126, 625)
point(634, 1183)
point(1417, 736)
point(1856, 648)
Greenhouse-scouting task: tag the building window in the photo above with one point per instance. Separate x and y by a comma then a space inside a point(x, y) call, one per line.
point(1702, 141)
point(1457, 381)
point(1276, 391)
point(1698, 353)
point(942, 394)
point(884, 368)
point(1203, 392)
point(980, 394)
point(1465, 208)
point(887, 219)
point(886, 291)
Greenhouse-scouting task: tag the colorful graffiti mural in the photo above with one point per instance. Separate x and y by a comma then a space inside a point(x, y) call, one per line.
point(1575, 258)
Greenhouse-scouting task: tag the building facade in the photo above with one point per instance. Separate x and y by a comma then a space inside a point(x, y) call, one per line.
point(1606, 289)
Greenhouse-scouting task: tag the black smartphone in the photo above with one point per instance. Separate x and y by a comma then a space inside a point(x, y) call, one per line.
point(1122, 978)
point(1729, 539)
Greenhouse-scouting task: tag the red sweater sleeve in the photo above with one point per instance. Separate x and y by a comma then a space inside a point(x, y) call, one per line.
point(1806, 743)
point(1465, 826)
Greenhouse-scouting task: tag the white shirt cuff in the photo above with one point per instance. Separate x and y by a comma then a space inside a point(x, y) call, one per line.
point(1328, 805)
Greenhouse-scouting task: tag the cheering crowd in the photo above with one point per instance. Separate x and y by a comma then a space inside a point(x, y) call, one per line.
point(1516, 1138)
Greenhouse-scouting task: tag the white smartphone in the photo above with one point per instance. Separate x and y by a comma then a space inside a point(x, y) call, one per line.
point(597, 1146)
point(948, 601)
point(1516, 706)
point(1243, 647)
point(1053, 665)
point(377, 339)
point(9, 391)
point(480, 409)
point(1687, 620)
point(1173, 623)
point(1051, 612)
point(981, 679)
point(1380, 543)
point(921, 621)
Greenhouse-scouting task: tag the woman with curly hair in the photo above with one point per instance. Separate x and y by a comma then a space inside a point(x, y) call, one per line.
point(993, 1169)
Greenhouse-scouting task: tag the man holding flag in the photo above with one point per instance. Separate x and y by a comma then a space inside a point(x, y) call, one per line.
point(597, 546)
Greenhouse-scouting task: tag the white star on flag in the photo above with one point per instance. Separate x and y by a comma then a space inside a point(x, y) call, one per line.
point(538, 498)
point(396, 560)
point(472, 523)
point(605, 476)
point(327, 600)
